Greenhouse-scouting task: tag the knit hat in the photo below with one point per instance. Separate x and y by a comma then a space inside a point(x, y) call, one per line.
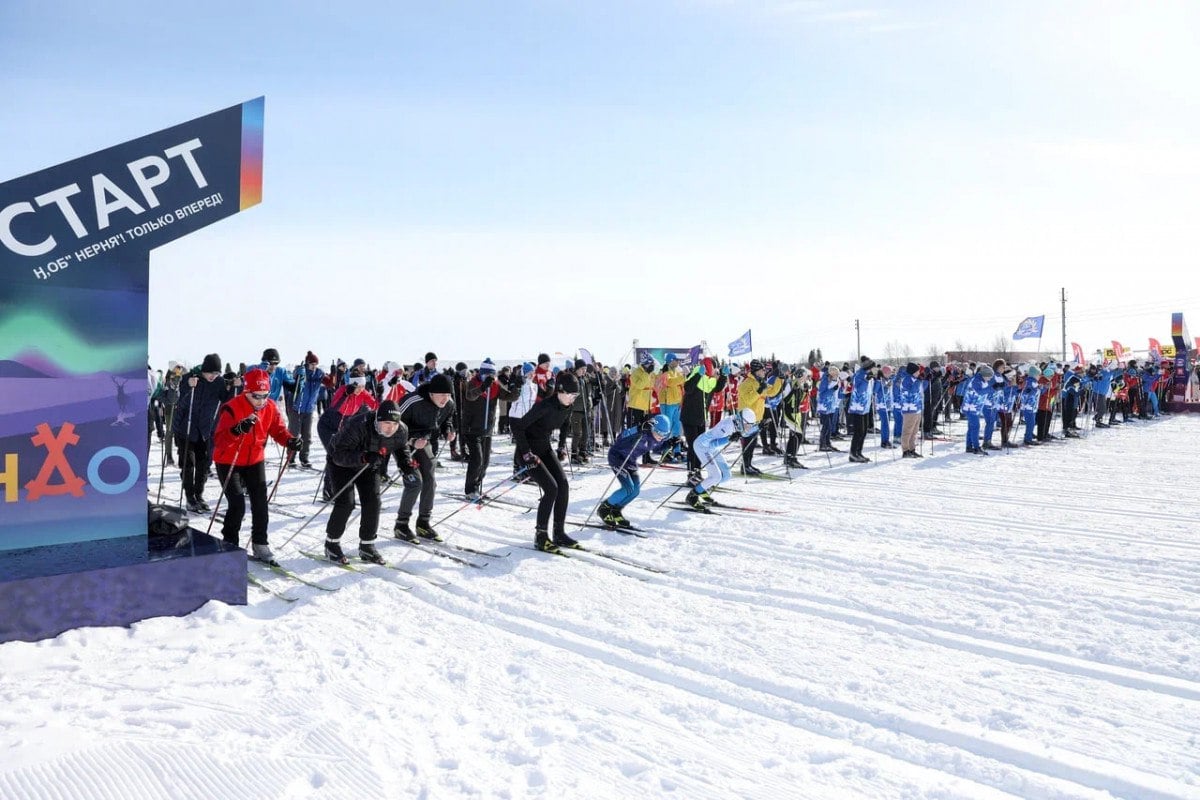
point(756, 365)
point(430, 357)
point(486, 367)
point(212, 363)
point(311, 358)
point(358, 362)
point(440, 384)
point(986, 372)
point(567, 383)
point(543, 359)
point(646, 361)
point(257, 380)
point(886, 370)
point(271, 355)
point(867, 363)
point(912, 368)
point(528, 367)
point(388, 411)
point(460, 366)
point(580, 363)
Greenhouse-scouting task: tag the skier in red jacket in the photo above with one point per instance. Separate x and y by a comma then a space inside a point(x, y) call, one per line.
point(243, 425)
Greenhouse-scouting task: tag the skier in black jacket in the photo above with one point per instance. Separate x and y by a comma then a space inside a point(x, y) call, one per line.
point(532, 434)
point(697, 389)
point(357, 451)
point(426, 413)
point(200, 397)
point(481, 395)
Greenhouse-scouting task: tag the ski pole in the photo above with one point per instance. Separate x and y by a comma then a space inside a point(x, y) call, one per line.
point(703, 466)
point(481, 502)
point(283, 465)
point(225, 485)
point(616, 474)
point(335, 496)
point(187, 442)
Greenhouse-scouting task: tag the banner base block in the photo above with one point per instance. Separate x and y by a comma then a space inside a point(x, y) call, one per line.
point(177, 576)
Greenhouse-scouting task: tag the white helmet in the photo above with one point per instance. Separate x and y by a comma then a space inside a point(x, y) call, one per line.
point(744, 419)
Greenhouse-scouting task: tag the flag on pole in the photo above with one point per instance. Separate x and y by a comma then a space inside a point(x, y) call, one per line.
point(1030, 328)
point(1119, 349)
point(1078, 352)
point(586, 356)
point(741, 346)
point(1155, 350)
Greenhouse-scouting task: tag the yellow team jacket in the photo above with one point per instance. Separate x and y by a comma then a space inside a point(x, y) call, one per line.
point(641, 384)
point(748, 396)
point(669, 386)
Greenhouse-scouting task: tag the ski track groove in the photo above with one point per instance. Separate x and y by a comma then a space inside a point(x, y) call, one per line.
point(1084, 771)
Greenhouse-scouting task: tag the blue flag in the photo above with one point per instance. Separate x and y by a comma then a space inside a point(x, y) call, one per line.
point(741, 345)
point(1030, 328)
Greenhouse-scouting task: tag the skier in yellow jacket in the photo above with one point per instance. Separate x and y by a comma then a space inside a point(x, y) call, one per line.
point(669, 388)
point(759, 384)
point(641, 390)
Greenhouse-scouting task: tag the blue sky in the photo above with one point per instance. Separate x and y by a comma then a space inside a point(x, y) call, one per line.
point(504, 178)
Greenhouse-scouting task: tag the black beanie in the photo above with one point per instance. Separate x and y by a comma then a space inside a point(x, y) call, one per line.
point(543, 358)
point(212, 363)
point(580, 363)
point(912, 368)
point(568, 383)
point(440, 384)
point(270, 354)
point(388, 411)
point(460, 366)
point(430, 357)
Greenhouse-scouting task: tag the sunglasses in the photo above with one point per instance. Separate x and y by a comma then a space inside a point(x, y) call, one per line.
point(258, 395)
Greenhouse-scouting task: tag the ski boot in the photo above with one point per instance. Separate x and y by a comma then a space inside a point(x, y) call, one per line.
point(542, 542)
point(402, 531)
point(426, 531)
point(333, 551)
point(562, 540)
point(694, 500)
point(608, 514)
point(262, 552)
point(368, 553)
point(694, 477)
point(750, 470)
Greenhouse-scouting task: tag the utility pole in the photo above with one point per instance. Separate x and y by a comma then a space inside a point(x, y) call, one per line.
point(858, 338)
point(1064, 324)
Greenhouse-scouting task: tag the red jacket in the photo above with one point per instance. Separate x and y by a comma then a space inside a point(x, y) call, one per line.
point(248, 449)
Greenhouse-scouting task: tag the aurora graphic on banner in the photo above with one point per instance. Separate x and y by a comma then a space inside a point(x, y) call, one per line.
point(75, 244)
point(687, 356)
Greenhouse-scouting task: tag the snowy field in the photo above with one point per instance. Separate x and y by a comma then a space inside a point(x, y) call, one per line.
point(1022, 625)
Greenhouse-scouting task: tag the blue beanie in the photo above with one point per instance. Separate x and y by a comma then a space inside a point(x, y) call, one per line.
point(487, 367)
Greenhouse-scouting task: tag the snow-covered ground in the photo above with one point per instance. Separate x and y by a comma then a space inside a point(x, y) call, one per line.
point(1022, 625)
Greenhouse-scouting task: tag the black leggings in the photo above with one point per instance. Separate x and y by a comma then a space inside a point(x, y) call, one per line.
point(251, 480)
point(422, 489)
point(367, 485)
point(857, 423)
point(193, 462)
point(479, 453)
point(692, 433)
point(556, 491)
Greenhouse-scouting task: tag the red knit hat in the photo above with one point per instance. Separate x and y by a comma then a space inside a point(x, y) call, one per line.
point(311, 359)
point(257, 380)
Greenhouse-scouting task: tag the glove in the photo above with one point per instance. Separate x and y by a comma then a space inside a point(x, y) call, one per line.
point(725, 370)
point(395, 379)
point(486, 382)
point(646, 426)
point(294, 444)
point(245, 425)
point(530, 460)
point(411, 479)
point(370, 458)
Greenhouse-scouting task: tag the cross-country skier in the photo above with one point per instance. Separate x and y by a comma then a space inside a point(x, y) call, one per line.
point(426, 413)
point(358, 451)
point(532, 435)
point(740, 424)
point(481, 396)
point(243, 425)
point(651, 436)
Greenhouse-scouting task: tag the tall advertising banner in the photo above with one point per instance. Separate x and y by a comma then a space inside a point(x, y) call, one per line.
point(75, 244)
